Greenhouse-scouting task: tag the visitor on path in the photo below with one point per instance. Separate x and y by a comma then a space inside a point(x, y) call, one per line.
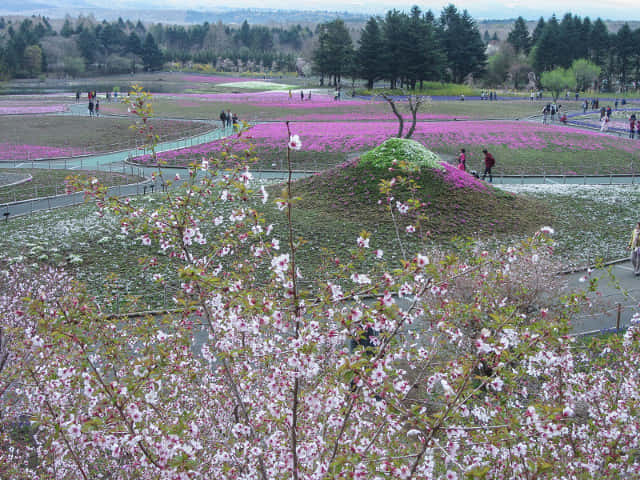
point(489, 162)
point(97, 108)
point(223, 118)
point(604, 124)
point(462, 160)
point(609, 111)
point(632, 126)
point(290, 95)
point(585, 106)
point(531, 97)
point(90, 108)
point(302, 95)
point(552, 111)
point(563, 119)
point(545, 113)
point(229, 118)
point(634, 246)
point(234, 121)
point(78, 96)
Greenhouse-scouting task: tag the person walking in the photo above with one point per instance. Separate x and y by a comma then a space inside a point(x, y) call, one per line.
point(97, 107)
point(229, 118)
point(634, 246)
point(90, 108)
point(489, 162)
point(632, 125)
point(223, 118)
point(462, 160)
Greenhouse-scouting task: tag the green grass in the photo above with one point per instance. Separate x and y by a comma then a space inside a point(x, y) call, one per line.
point(198, 108)
point(52, 182)
point(87, 134)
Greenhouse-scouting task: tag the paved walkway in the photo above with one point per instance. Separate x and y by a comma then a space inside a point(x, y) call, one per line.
point(617, 300)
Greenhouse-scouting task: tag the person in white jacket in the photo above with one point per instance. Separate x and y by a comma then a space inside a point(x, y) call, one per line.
point(634, 245)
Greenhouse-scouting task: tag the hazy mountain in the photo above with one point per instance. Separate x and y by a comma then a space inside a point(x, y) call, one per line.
point(309, 11)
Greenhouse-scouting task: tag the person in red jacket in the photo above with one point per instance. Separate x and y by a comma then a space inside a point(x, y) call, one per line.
point(462, 160)
point(632, 126)
point(489, 162)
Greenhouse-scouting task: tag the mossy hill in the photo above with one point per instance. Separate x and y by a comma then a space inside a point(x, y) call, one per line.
point(347, 198)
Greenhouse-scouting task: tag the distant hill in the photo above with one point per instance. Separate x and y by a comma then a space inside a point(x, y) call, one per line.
point(272, 16)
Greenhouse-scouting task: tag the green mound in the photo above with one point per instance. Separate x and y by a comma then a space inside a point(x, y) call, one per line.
point(337, 204)
point(408, 154)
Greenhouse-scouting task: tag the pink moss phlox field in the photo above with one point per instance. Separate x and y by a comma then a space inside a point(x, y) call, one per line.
point(459, 179)
point(10, 151)
point(32, 109)
point(213, 79)
point(438, 137)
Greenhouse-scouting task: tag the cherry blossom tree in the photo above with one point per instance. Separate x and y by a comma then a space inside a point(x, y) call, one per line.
point(448, 365)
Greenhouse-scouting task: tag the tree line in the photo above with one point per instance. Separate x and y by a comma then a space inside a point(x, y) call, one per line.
point(553, 44)
point(403, 49)
point(33, 46)
point(406, 49)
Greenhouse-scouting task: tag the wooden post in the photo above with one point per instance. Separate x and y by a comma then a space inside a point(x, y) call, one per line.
point(618, 317)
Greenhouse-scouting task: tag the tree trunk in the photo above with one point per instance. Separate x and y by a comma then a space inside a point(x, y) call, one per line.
point(396, 113)
point(414, 106)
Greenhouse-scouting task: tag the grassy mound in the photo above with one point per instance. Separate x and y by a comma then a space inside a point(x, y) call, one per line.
point(409, 154)
point(340, 202)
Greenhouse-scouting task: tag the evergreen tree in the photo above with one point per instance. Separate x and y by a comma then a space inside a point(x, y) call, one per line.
point(537, 32)
point(624, 47)
point(134, 45)
point(152, 57)
point(548, 52)
point(394, 29)
point(519, 36)
point(462, 43)
point(369, 58)
point(335, 50)
point(599, 44)
point(67, 29)
point(486, 37)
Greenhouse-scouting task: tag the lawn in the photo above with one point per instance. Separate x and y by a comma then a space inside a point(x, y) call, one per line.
point(271, 106)
point(27, 137)
point(52, 182)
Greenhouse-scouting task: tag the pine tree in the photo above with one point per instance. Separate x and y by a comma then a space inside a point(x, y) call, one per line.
point(152, 57)
point(519, 36)
point(462, 43)
point(369, 57)
point(624, 48)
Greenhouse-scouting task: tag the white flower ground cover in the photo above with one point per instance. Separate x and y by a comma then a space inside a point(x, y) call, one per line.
point(591, 221)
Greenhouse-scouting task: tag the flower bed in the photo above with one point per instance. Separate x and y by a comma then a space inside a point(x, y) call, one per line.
point(10, 151)
point(32, 109)
point(446, 137)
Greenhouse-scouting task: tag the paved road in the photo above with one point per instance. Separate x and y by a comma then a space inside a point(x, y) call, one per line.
point(619, 296)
